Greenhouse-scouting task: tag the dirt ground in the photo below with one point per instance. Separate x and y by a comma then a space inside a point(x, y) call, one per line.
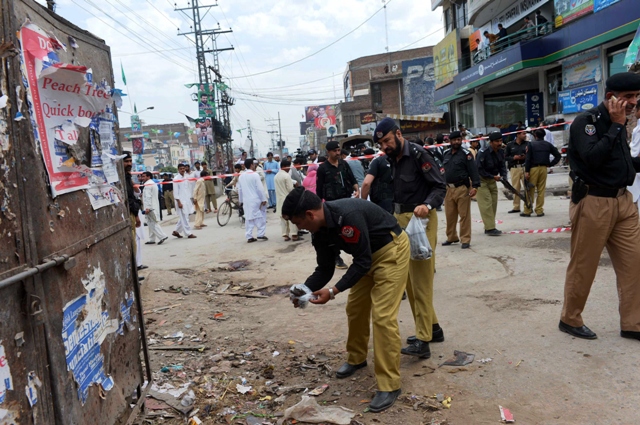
point(500, 301)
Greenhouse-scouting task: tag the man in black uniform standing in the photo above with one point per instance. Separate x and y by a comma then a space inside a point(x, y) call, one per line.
point(491, 167)
point(378, 185)
point(602, 211)
point(335, 180)
point(461, 173)
point(535, 169)
point(133, 203)
point(377, 278)
point(418, 189)
point(516, 154)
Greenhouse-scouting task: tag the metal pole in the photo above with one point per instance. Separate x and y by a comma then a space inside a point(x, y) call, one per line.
point(280, 135)
point(56, 261)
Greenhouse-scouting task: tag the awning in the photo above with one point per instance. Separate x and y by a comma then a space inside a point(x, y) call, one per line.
point(424, 117)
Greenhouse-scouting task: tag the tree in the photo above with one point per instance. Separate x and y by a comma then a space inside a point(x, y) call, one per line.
point(169, 169)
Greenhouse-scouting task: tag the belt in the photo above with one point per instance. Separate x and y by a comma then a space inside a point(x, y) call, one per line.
point(517, 165)
point(606, 192)
point(387, 239)
point(541, 165)
point(404, 208)
point(460, 183)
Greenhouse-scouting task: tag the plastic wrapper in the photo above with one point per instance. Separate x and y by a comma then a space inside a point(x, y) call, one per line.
point(420, 246)
point(302, 294)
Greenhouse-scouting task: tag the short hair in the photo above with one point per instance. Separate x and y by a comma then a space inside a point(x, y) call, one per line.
point(248, 162)
point(299, 201)
point(500, 26)
point(285, 163)
point(148, 174)
point(429, 140)
point(322, 159)
point(269, 154)
point(298, 160)
point(197, 162)
point(539, 133)
point(345, 152)
point(538, 12)
point(203, 174)
point(182, 165)
point(238, 166)
point(486, 32)
point(203, 163)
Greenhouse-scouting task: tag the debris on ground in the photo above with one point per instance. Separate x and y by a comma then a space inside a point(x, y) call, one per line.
point(460, 358)
point(319, 390)
point(506, 415)
point(308, 410)
point(485, 361)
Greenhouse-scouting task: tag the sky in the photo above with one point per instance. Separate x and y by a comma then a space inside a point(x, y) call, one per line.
point(287, 54)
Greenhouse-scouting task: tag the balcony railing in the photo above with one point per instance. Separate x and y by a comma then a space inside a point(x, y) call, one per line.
point(517, 37)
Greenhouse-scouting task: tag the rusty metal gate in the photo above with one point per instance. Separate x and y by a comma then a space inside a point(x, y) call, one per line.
point(72, 343)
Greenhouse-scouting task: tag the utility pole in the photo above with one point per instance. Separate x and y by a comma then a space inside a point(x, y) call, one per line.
point(279, 133)
point(250, 138)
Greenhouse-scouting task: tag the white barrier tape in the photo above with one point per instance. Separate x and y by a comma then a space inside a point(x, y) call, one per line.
point(497, 221)
point(552, 230)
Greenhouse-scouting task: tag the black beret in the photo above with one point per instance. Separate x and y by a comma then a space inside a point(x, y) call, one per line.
point(495, 135)
point(291, 201)
point(369, 151)
point(312, 152)
point(127, 154)
point(624, 81)
point(383, 127)
point(332, 146)
point(455, 135)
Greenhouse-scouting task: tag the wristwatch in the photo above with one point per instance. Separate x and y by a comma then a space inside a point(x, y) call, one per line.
point(429, 206)
point(331, 294)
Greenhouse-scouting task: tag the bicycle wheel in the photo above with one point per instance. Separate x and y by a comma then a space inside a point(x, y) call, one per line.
point(224, 213)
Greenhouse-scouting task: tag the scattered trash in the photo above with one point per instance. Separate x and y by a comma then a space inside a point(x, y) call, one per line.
point(307, 410)
point(218, 315)
point(194, 420)
point(506, 415)
point(447, 402)
point(275, 354)
point(460, 359)
point(243, 389)
point(177, 335)
point(238, 265)
point(189, 399)
point(171, 401)
point(19, 339)
point(319, 390)
point(175, 367)
point(485, 361)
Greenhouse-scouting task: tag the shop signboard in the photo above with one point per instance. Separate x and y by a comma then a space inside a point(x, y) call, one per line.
point(535, 102)
point(570, 10)
point(367, 117)
point(578, 100)
point(418, 81)
point(515, 13)
point(633, 51)
point(581, 69)
point(322, 116)
point(445, 56)
point(498, 65)
point(598, 5)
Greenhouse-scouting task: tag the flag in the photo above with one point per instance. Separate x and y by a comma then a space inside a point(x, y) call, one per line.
point(240, 131)
point(192, 120)
point(124, 79)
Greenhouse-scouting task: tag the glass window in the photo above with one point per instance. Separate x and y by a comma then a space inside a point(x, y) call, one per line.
point(554, 81)
point(461, 15)
point(504, 111)
point(466, 113)
point(615, 63)
point(376, 96)
point(448, 20)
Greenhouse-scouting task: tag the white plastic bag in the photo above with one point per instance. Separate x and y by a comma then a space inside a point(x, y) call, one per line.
point(420, 246)
point(302, 293)
point(309, 411)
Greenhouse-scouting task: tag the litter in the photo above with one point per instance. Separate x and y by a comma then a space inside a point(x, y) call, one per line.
point(275, 354)
point(243, 389)
point(319, 390)
point(307, 410)
point(189, 399)
point(460, 359)
point(302, 294)
point(506, 415)
point(485, 361)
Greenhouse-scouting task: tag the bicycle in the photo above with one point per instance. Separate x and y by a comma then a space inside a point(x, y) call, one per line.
point(225, 211)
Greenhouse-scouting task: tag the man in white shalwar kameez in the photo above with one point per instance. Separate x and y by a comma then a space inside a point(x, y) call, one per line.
point(182, 194)
point(151, 206)
point(635, 151)
point(252, 198)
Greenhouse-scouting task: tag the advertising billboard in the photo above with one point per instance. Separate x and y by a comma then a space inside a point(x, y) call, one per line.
point(578, 100)
point(581, 69)
point(419, 85)
point(598, 5)
point(206, 100)
point(445, 56)
point(570, 10)
point(322, 116)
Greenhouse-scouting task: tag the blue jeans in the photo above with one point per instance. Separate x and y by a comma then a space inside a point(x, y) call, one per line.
point(272, 198)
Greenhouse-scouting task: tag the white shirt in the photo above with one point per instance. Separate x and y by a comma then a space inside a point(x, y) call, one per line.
point(183, 191)
point(150, 196)
point(635, 151)
point(251, 194)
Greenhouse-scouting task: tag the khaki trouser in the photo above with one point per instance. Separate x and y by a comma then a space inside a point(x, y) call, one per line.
point(517, 174)
point(596, 223)
point(169, 201)
point(133, 230)
point(286, 226)
point(487, 197)
point(199, 216)
point(420, 280)
point(377, 296)
point(538, 178)
point(458, 203)
point(210, 199)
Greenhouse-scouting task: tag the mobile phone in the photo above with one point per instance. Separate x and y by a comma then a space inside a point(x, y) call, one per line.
point(615, 99)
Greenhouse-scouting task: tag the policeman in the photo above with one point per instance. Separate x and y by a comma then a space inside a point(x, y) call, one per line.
point(602, 211)
point(335, 180)
point(461, 173)
point(515, 154)
point(418, 188)
point(491, 168)
point(536, 169)
point(378, 185)
point(377, 278)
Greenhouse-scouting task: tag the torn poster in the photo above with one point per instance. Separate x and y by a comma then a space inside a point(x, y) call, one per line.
point(103, 196)
point(61, 98)
point(85, 326)
point(5, 375)
point(31, 389)
point(125, 313)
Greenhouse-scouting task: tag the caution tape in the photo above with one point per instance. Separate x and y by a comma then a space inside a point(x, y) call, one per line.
point(497, 221)
point(552, 230)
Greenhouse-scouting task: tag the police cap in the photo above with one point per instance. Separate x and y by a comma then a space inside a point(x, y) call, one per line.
point(312, 152)
point(369, 151)
point(332, 146)
point(624, 81)
point(495, 135)
point(383, 127)
point(455, 135)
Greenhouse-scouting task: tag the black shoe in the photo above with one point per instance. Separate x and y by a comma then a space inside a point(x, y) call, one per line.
point(438, 208)
point(437, 335)
point(383, 400)
point(581, 332)
point(630, 334)
point(162, 240)
point(251, 240)
point(447, 243)
point(142, 266)
point(140, 278)
point(346, 370)
point(263, 238)
point(525, 215)
point(150, 243)
point(513, 211)
point(418, 349)
point(540, 215)
point(465, 246)
point(341, 265)
point(493, 232)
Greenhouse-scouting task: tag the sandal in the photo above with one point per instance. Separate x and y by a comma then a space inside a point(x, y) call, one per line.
point(287, 238)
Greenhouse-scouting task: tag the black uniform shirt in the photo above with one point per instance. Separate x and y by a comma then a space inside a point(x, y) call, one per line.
point(359, 228)
point(167, 186)
point(460, 166)
point(513, 149)
point(132, 202)
point(538, 154)
point(335, 182)
point(417, 177)
point(491, 163)
point(598, 150)
point(382, 186)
